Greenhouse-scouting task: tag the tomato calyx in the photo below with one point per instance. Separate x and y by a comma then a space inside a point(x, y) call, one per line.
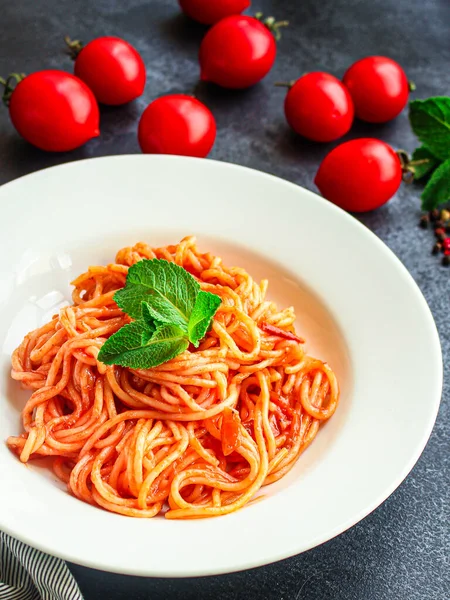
point(9, 85)
point(74, 47)
point(272, 24)
point(408, 165)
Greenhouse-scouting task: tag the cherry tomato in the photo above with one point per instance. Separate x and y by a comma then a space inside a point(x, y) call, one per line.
point(54, 111)
point(360, 175)
point(319, 107)
point(379, 88)
point(112, 68)
point(237, 52)
point(177, 124)
point(209, 12)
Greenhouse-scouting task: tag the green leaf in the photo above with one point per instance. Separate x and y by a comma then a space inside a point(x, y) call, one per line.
point(437, 190)
point(205, 308)
point(426, 162)
point(168, 289)
point(430, 120)
point(135, 346)
point(130, 336)
point(147, 317)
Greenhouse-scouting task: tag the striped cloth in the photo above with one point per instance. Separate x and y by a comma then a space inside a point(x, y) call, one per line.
point(28, 574)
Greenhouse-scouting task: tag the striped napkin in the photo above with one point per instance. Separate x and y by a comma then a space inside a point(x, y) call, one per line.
point(28, 574)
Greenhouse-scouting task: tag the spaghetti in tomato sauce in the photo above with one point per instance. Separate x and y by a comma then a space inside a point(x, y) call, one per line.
point(194, 437)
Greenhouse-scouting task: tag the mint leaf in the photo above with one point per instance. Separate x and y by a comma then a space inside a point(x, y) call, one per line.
point(426, 162)
point(205, 308)
point(147, 317)
point(168, 289)
point(430, 121)
point(130, 336)
point(137, 347)
point(437, 190)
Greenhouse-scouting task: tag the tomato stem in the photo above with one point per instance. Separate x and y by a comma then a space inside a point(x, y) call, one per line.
point(74, 47)
point(9, 85)
point(408, 165)
point(272, 24)
point(287, 84)
point(411, 86)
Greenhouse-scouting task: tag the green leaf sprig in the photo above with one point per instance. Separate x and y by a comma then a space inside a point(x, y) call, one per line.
point(169, 311)
point(430, 121)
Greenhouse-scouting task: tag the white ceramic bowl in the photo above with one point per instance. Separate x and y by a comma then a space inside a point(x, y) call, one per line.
point(356, 304)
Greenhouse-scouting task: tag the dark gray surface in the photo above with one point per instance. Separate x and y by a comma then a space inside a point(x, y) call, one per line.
point(401, 551)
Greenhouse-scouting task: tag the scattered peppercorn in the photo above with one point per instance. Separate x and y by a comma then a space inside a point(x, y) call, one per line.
point(424, 220)
point(440, 223)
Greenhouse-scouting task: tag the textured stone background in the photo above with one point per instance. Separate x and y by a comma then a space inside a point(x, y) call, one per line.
point(401, 551)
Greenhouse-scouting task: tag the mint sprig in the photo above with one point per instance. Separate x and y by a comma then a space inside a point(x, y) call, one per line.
point(437, 190)
point(430, 121)
point(169, 311)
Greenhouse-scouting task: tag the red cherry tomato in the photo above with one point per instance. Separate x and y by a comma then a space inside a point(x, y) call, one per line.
point(113, 70)
point(379, 88)
point(54, 111)
point(360, 175)
point(319, 107)
point(237, 52)
point(209, 12)
point(177, 124)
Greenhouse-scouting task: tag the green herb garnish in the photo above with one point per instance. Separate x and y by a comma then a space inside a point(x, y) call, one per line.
point(437, 190)
point(169, 290)
point(424, 162)
point(430, 121)
point(200, 319)
point(169, 311)
point(136, 346)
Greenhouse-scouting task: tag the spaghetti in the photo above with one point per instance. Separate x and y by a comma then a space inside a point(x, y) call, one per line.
point(197, 436)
